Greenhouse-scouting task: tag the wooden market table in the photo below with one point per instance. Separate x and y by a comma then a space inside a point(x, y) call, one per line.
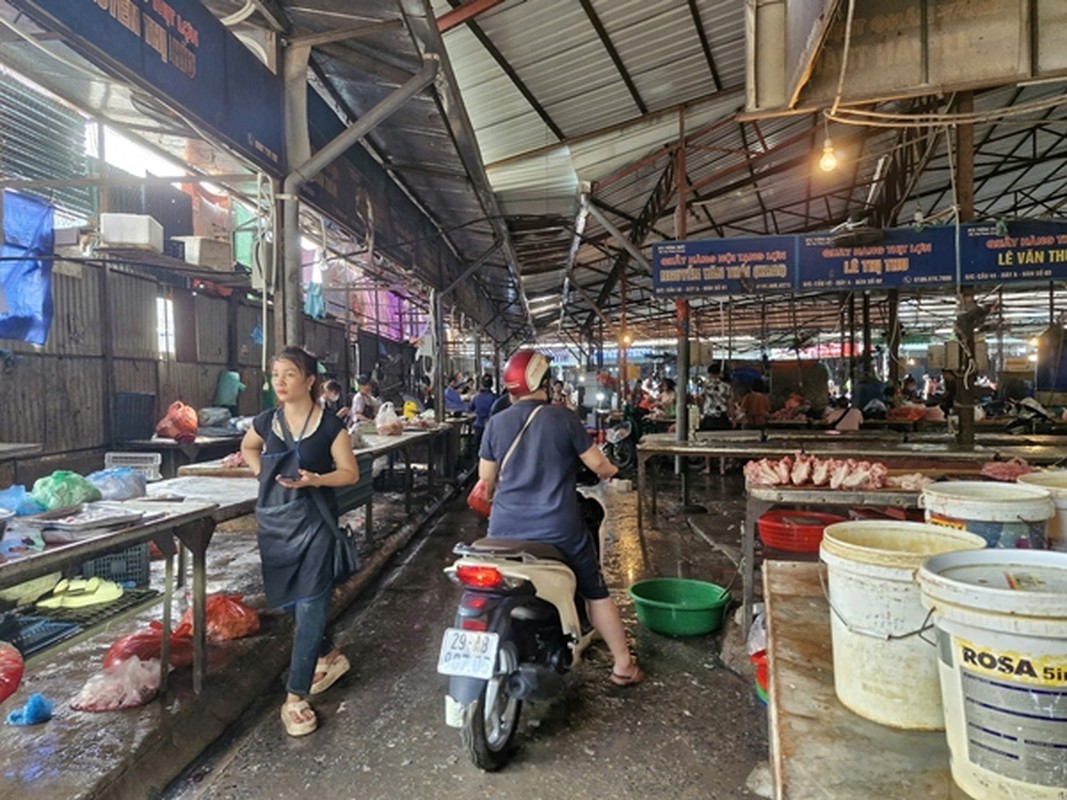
point(12, 450)
point(921, 456)
point(819, 749)
point(374, 446)
point(176, 453)
point(889, 450)
point(191, 522)
point(9, 451)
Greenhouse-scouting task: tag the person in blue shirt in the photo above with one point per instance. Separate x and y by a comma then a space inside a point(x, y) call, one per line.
point(453, 401)
point(482, 406)
point(536, 497)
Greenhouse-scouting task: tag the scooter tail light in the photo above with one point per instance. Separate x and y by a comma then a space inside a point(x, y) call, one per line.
point(475, 601)
point(479, 577)
point(474, 625)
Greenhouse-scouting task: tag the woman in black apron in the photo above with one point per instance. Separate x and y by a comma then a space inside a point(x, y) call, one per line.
point(300, 454)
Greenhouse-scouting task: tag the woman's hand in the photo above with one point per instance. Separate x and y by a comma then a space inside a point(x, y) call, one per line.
point(305, 480)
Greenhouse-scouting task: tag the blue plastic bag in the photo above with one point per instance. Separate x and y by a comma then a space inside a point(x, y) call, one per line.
point(120, 483)
point(16, 498)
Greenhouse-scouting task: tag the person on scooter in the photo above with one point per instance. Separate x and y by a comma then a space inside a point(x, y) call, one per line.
point(536, 496)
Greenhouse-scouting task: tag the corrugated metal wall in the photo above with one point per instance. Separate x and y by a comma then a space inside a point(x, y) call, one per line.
point(57, 395)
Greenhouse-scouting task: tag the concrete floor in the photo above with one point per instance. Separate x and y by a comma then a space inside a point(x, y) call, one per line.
point(693, 730)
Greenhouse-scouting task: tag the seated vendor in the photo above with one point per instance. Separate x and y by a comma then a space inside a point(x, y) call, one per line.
point(364, 404)
point(843, 416)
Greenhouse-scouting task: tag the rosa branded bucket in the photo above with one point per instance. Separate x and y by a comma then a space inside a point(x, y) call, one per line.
point(1006, 515)
point(885, 665)
point(1001, 621)
point(1055, 481)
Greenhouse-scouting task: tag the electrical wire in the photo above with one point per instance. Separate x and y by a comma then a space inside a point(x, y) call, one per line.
point(883, 119)
point(844, 57)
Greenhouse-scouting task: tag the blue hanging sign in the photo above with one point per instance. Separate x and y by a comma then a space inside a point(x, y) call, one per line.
point(179, 50)
point(1024, 251)
point(904, 258)
point(724, 266)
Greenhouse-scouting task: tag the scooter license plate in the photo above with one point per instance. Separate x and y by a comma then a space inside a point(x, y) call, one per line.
point(468, 654)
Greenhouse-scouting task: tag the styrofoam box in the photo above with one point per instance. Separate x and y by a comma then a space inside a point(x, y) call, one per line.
point(138, 231)
point(208, 253)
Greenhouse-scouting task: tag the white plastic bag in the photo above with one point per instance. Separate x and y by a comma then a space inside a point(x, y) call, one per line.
point(757, 634)
point(387, 421)
point(128, 684)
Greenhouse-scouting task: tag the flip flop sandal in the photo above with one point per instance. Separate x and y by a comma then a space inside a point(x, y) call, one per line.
point(635, 677)
point(332, 671)
point(298, 727)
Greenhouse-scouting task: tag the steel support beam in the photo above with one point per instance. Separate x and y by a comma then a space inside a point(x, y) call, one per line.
point(298, 177)
point(627, 245)
point(464, 13)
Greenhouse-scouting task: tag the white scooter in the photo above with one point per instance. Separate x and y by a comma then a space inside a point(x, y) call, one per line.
point(518, 628)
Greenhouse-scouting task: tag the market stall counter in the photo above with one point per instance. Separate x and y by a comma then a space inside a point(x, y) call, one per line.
point(895, 453)
point(760, 499)
point(9, 451)
point(818, 747)
point(191, 522)
point(176, 453)
point(374, 445)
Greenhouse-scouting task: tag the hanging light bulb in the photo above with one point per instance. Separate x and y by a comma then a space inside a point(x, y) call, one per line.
point(828, 162)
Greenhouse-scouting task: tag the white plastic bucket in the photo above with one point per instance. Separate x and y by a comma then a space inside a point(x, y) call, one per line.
point(1055, 481)
point(1006, 515)
point(1001, 620)
point(883, 668)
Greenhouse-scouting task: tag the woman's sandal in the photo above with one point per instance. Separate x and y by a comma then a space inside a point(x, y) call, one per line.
point(634, 677)
point(298, 727)
point(331, 671)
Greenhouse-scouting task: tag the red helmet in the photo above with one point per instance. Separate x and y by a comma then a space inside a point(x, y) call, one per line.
point(526, 372)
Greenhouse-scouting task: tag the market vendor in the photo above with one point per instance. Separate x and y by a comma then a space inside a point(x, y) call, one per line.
point(364, 404)
point(454, 403)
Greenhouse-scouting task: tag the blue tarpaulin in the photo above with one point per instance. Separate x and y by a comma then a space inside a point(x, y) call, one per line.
point(26, 277)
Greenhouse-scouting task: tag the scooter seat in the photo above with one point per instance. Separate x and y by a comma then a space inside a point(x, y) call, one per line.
point(516, 547)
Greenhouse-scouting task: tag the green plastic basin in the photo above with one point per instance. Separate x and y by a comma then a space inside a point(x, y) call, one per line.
point(678, 606)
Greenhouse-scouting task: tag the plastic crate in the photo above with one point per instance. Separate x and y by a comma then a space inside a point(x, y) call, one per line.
point(147, 464)
point(135, 414)
point(126, 566)
point(37, 633)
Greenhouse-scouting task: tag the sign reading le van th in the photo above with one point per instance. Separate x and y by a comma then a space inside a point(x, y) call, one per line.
point(1016, 253)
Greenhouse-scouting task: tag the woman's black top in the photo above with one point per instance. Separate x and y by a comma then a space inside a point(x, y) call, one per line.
point(314, 447)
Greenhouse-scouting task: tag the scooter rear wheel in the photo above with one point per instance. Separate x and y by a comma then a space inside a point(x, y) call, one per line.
point(625, 454)
point(490, 722)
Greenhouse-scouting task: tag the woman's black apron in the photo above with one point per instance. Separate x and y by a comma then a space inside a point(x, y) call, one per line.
point(296, 544)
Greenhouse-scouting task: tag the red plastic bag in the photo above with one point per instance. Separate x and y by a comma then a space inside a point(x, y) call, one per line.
point(148, 644)
point(11, 669)
point(180, 422)
point(478, 499)
point(226, 618)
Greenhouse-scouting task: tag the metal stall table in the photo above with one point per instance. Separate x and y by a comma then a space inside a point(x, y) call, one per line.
point(191, 522)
